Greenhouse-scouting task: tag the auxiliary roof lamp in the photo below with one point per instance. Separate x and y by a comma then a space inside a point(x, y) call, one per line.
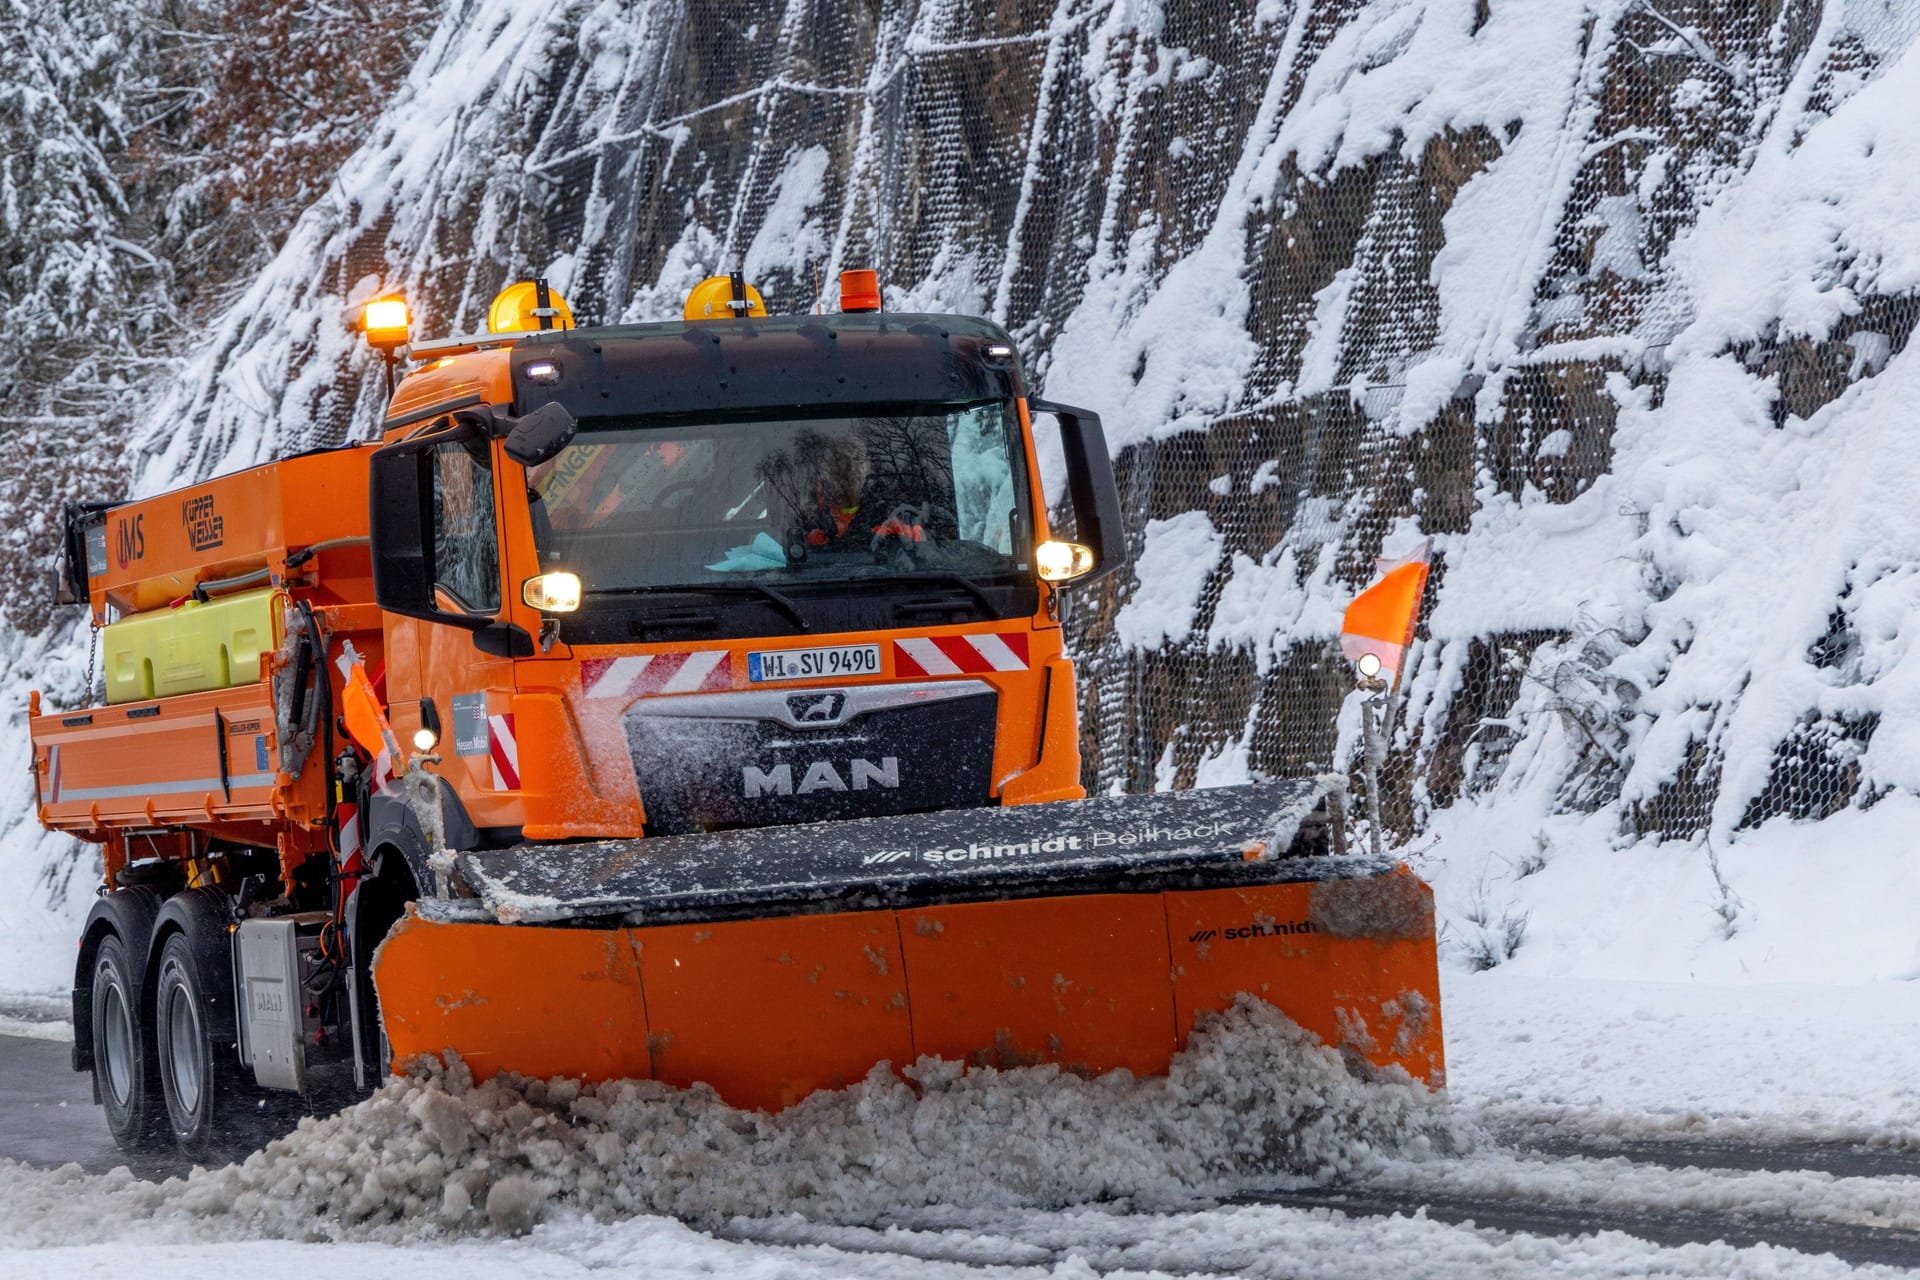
point(387, 324)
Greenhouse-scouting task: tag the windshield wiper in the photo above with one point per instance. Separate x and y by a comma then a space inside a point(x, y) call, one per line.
point(777, 599)
point(947, 576)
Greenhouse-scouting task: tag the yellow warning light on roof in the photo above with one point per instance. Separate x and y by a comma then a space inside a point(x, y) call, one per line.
point(526, 305)
point(386, 322)
point(724, 298)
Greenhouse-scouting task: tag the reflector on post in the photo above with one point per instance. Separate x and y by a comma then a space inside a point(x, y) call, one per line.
point(1380, 621)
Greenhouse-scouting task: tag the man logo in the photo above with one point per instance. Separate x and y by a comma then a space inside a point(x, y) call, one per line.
point(821, 775)
point(816, 708)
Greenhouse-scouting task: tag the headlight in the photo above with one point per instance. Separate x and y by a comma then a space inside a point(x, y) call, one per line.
point(1061, 561)
point(552, 592)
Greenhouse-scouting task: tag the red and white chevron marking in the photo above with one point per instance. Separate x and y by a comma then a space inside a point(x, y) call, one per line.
point(503, 751)
point(657, 673)
point(961, 655)
point(351, 859)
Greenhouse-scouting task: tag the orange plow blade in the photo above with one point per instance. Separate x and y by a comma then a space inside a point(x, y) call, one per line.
point(769, 993)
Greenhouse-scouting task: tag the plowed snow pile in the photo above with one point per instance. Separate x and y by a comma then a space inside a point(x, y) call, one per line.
point(1252, 1098)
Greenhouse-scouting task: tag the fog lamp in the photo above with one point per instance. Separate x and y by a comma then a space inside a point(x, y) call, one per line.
point(1061, 561)
point(552, 592)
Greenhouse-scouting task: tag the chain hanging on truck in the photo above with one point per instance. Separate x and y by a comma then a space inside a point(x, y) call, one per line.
point(93, 658)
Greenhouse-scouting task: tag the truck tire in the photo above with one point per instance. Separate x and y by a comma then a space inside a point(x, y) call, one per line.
point(125, 1075)
point(216, 1114)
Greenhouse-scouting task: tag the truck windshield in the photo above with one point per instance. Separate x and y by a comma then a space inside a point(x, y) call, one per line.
point(639, 504)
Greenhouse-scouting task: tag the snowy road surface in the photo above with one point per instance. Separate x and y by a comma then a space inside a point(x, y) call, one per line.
point(1626, 1129)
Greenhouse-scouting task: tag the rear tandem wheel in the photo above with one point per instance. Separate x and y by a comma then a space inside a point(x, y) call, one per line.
point(125, 1074)
point(213, 1107)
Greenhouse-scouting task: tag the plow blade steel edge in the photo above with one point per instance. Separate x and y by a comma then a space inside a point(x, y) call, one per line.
point(772, 962)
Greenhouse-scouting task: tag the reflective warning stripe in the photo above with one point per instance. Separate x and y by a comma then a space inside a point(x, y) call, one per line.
point(503, 751)
point(961, 655)
point(924, 658)
point(612, 677)
point(998, 653)
point(186, 786)
point(693, 672)
point(347, 821)
point(631, 677)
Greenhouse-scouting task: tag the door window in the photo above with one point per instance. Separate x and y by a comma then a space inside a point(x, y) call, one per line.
point(466, 541)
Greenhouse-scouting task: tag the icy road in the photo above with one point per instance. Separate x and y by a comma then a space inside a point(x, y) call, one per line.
point(1596, 1129)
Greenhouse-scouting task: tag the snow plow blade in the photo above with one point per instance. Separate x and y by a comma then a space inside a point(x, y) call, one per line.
point(772, 962)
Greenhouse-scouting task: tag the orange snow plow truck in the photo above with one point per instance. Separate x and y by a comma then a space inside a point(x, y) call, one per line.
point(682, 701)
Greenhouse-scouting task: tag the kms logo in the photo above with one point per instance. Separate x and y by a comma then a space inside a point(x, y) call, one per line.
point(821, 775)
point(130, 540)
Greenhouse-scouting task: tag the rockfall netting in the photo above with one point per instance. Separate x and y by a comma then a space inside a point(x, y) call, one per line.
point(1610, 298)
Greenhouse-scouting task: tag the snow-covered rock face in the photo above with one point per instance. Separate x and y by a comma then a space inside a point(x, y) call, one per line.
point(1254, 1100)
point(1609, 298)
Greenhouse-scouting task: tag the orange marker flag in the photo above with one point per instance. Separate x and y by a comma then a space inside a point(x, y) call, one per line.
point(1380, 620)
point(365, 720)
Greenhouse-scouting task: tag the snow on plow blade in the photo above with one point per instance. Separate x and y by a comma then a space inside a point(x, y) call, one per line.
point(772, 962)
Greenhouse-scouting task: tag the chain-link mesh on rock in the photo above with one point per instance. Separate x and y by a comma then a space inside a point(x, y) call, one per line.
point(1339, 276)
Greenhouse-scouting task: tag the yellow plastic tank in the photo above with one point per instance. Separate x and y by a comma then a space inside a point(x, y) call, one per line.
point(194, 647)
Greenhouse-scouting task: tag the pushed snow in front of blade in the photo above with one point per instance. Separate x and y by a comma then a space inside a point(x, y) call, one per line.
point(1253, 1100)
point(1263, 830)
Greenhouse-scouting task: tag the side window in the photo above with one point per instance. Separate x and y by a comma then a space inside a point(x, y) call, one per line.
point(982, 476)
point(466, 545)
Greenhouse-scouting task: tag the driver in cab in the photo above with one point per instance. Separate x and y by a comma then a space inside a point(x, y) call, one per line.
point(841, 516)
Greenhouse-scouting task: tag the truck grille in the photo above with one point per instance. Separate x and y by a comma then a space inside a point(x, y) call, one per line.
point(767, 757)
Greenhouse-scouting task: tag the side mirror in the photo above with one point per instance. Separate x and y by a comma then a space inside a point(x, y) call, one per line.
point(1091, 489)
point(540, 435)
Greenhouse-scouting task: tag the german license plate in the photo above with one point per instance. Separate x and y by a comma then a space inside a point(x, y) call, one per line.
point(825, 663)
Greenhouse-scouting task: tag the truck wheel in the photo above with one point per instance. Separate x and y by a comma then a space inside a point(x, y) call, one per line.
point(124, 1073)
point(213, 1111)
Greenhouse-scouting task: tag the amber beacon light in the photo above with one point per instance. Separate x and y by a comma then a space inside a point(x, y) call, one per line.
point(386, 323)
point(527, 305)
point(860, 290)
